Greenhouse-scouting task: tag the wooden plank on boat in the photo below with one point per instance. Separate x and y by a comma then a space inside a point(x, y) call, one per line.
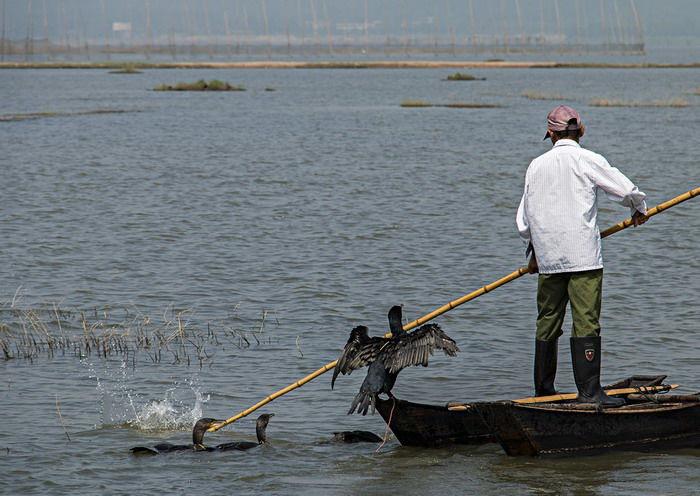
point(461, 407)
point(612, 392)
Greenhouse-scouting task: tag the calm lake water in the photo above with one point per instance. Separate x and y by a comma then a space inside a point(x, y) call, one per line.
point(319, 206)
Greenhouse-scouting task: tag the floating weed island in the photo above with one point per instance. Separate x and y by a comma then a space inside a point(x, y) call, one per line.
point(415, 103)
point(537, 95)
point(463, 105)
point(469, 105)
point(43, 115)
point(126, 69)
point(463, 76)
point(201, 85)
point(672, 102)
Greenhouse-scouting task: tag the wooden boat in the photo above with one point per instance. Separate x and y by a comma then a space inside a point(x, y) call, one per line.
point(647, 422)
point(418, 424)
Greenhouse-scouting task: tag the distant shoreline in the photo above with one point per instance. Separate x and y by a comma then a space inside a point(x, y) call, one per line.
point(390, 64)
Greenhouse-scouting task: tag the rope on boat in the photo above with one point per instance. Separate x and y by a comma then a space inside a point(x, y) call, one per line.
point(388, 423)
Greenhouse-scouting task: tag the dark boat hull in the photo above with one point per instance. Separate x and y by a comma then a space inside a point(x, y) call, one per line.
point(416, 424)
point(550, 429)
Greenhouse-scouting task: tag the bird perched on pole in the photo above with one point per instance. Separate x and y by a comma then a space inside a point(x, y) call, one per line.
point(387, 356)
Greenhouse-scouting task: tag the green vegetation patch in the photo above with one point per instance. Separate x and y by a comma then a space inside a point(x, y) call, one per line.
point(537, 95)
point(469, 105)
point(126, 69)
point(463, 76)
point(201, 85)
point(416, 103)
point(44, 115)
point(462, 105)
point(671, 102)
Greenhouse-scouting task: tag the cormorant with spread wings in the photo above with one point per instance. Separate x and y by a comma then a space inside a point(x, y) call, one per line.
point(386, 357)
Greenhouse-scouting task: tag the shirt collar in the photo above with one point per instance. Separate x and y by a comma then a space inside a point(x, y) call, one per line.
point(566, 142)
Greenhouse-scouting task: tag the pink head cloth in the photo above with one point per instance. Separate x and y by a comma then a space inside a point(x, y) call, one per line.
point(558, 120)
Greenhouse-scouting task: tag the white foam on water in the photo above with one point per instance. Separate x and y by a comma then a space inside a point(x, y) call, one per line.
point(176, 408)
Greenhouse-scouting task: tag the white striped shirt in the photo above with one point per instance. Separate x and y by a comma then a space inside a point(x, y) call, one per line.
point(558, 212)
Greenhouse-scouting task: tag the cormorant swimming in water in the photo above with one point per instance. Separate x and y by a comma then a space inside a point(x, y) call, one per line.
point(260, 426)
point(356, 437)
point(200, 428)
point(386, 357)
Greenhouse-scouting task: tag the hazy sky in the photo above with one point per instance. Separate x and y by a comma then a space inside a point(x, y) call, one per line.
point(583, 19)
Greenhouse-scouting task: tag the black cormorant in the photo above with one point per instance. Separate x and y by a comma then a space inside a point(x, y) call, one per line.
point(200, 428)
point(386, 357)
point(356, 437)
point(260, 426)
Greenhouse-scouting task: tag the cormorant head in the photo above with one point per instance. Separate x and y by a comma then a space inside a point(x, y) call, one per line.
point(395, 324)
point(200, 428)
point(261, 425)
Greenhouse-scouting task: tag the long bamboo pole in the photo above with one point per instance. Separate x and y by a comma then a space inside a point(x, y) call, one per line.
point(449, 306)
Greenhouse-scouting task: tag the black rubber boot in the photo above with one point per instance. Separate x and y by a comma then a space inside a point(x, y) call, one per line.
point(545, 366)
point(585, 358)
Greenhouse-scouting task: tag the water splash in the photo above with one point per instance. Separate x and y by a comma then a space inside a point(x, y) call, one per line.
point(170, 413)
point(122, 404)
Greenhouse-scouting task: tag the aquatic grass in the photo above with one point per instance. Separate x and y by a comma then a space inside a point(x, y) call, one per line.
point(463, 76)
point(176, 337)
point(537, 95)
point(469, 105)
point(27, 116)
point(126, 69)
point(201, 85)
point(457, 105)
point(415, 103)
point(43, 115)
point(672, 102)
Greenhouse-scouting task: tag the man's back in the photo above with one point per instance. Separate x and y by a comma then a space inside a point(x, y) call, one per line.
point(559, 214)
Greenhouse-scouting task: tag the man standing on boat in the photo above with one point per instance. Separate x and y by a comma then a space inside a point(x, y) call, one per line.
point(557, 217)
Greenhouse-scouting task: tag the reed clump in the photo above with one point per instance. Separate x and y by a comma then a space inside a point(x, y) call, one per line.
point(126, 69)
point(44, 115)
point(463, 76)
point(175, 337)
point(416, 103)
point(672, 102)
point(458, 105)
point(28, 116)
point(201, 85)
point(538, 95)
point(469, 105)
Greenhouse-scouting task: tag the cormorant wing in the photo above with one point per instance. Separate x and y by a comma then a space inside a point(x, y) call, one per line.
point(414, 348)
point(142, 450)
point(359, 351)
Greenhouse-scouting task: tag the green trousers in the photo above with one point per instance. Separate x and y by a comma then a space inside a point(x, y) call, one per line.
point(583, 289)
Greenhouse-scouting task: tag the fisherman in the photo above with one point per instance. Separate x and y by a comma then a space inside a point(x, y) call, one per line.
point(557, 218)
